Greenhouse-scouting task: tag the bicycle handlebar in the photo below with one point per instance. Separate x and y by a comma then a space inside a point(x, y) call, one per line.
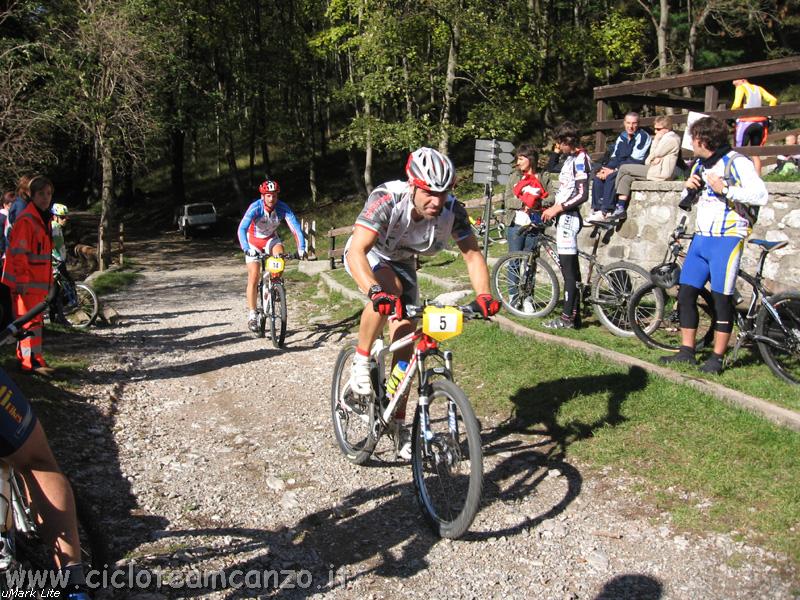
point(412, 310)
point(290, 256)
point(13, 329)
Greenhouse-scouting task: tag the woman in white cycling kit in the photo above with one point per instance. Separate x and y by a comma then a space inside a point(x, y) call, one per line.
point(573, 190)
point(399, 220)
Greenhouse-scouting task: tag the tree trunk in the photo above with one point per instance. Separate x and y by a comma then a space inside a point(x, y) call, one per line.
point(233, 172)
point(661, 36)
point(449, 85)
point(177, 144)
point(104, 233)
point(352, 162)
point(368, 151)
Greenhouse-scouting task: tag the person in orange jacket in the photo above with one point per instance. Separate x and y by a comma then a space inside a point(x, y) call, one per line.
point(28, 272)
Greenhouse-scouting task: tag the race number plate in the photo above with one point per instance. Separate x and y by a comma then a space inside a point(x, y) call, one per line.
point(275, 265)
point(442, 323)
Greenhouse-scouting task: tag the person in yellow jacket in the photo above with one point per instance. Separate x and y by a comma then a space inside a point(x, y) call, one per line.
point(28, 272)
point(751, 130)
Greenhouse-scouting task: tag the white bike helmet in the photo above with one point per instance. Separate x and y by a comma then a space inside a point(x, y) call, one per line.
point(430, 170)
point(59, 210)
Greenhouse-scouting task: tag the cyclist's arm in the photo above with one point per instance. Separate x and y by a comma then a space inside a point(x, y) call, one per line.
point(244, 225)
point(751, 188)
point(769, 98)
point(738, 98)
point(294, 227)
point(476, 265)
point(361, 243)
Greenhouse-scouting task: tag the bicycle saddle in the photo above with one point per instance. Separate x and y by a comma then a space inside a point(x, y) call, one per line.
point(768, 246)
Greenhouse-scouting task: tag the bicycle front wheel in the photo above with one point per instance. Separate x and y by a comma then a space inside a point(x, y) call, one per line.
point(80, 311)
point(448, 476)
point(261, 310)
point(780, 345)
point(525, 288)
point(611, 293)
point(654, 318)
point(353, 415)
point(277, 315)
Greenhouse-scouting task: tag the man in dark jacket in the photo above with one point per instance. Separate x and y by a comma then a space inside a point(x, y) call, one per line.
point(630, 147)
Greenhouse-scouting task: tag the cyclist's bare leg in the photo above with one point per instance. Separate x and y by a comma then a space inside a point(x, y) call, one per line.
point(688, 337)
point(372, 323)
point(253, 270)
point(397, 329)
point(721, 340)
point(51, 497)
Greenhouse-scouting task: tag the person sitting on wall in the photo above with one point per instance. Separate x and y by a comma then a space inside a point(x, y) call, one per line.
point(631, 146)
point(658, 166)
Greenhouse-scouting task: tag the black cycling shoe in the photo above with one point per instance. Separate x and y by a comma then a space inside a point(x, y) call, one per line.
point(684, 355)
point(714, 364)
point(559, 323)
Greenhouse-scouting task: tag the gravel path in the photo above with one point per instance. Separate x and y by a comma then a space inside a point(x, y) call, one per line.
point(211, 455)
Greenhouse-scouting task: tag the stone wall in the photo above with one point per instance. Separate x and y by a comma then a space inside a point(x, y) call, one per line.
point(653, 214)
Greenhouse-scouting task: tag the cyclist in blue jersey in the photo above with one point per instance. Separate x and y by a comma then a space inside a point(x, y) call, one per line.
point(258, 233)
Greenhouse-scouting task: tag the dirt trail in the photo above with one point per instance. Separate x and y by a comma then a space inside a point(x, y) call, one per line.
point(211, 454)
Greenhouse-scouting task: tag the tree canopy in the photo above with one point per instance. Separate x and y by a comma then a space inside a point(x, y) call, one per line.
point(104, 90)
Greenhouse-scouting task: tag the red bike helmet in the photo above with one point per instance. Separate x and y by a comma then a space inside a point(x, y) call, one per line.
point(430, 170)
point(269, 187)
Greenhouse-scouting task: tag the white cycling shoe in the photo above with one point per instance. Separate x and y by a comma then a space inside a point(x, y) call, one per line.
point(360, 381)
point(402, 437)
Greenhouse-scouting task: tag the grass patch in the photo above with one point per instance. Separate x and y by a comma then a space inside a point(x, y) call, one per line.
point(668, 434)
point(782, 177)
point(113, 281)
point(748, 374)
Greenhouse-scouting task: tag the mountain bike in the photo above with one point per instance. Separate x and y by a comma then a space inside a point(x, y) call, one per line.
point(446, 455)
point(75, 305)
point(771, 321)
point(21, 548)
point(271, 298)
point(497, 228)
point(527, 285)
point(653, 308)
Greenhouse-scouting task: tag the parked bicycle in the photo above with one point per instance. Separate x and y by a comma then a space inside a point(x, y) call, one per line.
point(653, 308)
point(21, 548)
point(271, 298)
point(771, 321)
point(497, 228)
point(527, 285)
point(75, 304)
point(446, 455)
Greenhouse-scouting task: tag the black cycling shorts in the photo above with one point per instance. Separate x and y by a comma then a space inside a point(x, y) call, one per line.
point(17, 419)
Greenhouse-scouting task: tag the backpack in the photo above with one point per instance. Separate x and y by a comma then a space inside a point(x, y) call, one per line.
point(748, 212)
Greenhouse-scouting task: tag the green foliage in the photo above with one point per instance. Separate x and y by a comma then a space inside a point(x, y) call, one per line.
point(616, 44)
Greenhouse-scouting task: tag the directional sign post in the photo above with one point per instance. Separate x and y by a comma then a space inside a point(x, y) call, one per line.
point(493, 160)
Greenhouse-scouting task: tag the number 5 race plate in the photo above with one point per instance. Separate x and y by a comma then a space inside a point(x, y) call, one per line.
point(442, 323)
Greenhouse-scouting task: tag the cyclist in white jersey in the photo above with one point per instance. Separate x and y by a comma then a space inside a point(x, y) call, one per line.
point(399, 220)
point(722, 184)
point(573, 190)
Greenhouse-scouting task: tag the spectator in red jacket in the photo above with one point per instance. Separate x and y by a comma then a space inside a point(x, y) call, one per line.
point(28, 272)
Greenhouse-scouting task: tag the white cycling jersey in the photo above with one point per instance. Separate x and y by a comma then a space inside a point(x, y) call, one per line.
point(387, 212)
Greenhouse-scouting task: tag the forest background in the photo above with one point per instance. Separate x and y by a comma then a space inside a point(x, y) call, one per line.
point(327, 95)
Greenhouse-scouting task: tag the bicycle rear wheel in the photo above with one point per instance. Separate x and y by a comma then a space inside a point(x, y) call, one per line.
point(653, 317)
point(353, 415)
point(780, 346)
point(611, 292)
point(525, 289)
point(448, 478)
point(277, 315)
